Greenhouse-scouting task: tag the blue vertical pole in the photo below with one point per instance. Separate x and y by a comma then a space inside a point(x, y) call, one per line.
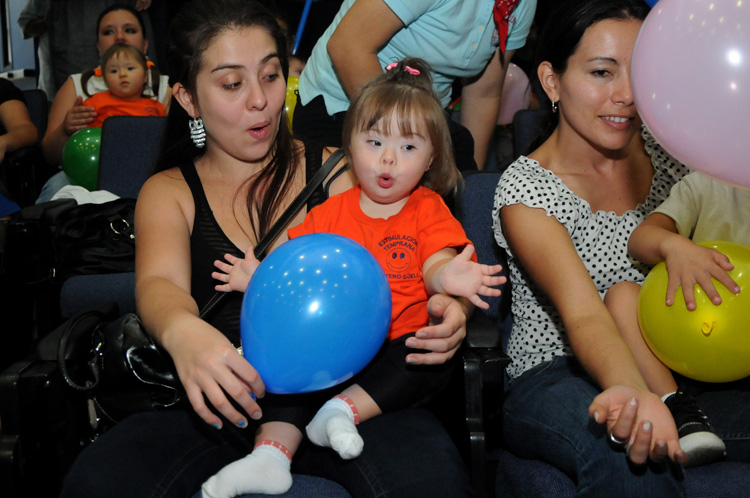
point(301, 27)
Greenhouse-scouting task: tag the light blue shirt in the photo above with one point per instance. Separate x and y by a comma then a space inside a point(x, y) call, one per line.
point(456, 37)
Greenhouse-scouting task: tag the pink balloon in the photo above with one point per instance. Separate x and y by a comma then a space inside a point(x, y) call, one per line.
point(516, 94)
point(691, 83)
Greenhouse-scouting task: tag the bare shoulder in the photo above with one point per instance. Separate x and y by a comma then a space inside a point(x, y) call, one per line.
point(66, 95)
point(544, 155)
point(167, 183)
point(166, 192)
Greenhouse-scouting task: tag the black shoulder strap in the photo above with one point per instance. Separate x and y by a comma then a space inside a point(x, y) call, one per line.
point(265, 242)
point(297, 203)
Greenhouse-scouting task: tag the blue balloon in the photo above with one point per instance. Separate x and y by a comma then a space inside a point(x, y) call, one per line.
point(651, 3)
point(315, 313)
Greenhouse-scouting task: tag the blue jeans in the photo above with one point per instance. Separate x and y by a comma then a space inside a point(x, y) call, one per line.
point(546, 418)
point(171, 453)
point(50, 188)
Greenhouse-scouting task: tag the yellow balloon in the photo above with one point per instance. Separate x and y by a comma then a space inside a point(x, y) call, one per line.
point(292, 84)
point(711, 343)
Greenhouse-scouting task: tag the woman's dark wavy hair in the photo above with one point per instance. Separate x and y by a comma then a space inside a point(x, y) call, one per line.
point(120, 6)
point(562, 34)
point(194, 28)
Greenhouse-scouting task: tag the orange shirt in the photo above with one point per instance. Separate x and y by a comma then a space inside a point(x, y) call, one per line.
point(401, 244)
point(106, 105)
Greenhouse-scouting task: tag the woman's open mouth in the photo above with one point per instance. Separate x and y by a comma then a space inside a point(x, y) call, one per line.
point(259, 131)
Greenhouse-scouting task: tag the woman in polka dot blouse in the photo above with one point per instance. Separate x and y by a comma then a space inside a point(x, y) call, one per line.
point(564, 214)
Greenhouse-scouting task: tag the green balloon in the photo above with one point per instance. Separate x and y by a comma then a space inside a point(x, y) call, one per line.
point(80, 157)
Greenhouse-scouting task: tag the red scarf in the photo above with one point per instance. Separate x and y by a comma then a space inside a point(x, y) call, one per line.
point(501, 12)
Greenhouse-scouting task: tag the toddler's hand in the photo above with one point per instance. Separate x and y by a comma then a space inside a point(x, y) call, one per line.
point(696, 264)
point(236, 272)
point(465, 278)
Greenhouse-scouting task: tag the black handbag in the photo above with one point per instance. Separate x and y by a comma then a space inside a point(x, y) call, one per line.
point(59, 239)
point(115, 361)
point(91, 239)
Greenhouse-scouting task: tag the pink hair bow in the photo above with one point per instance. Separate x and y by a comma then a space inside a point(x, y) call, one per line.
point(410, 70)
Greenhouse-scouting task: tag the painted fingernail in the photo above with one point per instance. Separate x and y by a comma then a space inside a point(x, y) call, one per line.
point(633, 402)
point(217, 426)
point(647, 426)
point(596, 417)
point(242, 423)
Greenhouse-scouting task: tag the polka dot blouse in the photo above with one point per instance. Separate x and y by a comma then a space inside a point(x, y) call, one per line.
point(600, 239)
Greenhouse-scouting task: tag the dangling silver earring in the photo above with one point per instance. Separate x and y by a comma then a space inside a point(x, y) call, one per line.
point(554, 107)
point(197, 132)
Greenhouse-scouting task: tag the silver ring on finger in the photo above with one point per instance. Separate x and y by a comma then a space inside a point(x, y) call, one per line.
point(617, 442)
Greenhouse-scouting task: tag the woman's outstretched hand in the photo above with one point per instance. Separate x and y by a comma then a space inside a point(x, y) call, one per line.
point(640, 422)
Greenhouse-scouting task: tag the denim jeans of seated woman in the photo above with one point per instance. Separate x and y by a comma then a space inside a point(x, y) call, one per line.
point(546, 418)
point(170, 454)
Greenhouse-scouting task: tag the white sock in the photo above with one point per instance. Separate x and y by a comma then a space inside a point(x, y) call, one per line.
point(265, 470)
point(335, 426)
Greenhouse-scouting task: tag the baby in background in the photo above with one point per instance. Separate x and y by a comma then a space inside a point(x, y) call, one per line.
point(125, 71)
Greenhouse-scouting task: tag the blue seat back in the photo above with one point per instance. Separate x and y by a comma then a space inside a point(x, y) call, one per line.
point(129, 148)
point(38, 106)
point(475, 214)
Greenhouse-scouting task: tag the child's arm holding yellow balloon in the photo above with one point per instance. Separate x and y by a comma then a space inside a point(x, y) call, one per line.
point(656, 240)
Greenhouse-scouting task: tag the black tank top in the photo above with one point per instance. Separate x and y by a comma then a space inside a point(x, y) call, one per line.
point(209, 243)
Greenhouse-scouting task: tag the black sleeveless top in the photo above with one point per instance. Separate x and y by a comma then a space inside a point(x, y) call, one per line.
point(209, 243)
